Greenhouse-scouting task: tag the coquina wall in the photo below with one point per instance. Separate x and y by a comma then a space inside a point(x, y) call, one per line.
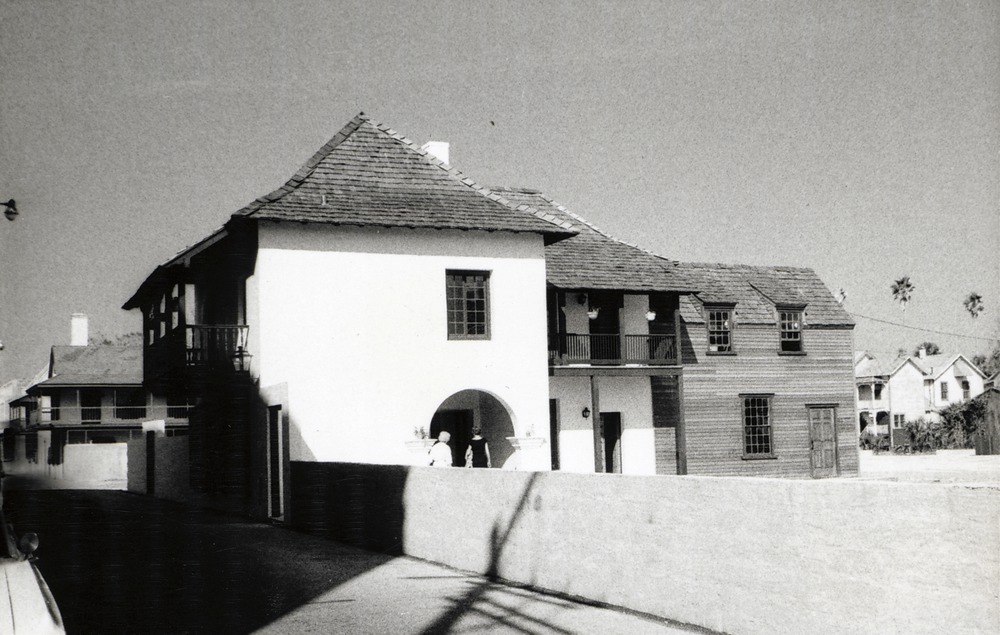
point(733, 555)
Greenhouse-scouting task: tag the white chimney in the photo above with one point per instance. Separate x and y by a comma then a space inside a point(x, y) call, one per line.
point(438, 150)
point(922, 352)
point(78, 335)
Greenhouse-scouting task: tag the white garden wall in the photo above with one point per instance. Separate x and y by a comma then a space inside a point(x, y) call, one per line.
point(734, 555)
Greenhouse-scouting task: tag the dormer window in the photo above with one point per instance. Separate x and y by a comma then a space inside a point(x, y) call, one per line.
point(720, 329)
point(790, 330)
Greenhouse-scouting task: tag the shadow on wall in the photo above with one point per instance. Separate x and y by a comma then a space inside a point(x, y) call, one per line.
point(474, 599)
point(353, 503)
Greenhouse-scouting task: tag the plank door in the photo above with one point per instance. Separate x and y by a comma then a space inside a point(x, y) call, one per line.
point(823, 441)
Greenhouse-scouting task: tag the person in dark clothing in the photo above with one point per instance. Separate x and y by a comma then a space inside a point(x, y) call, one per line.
point(478, 453)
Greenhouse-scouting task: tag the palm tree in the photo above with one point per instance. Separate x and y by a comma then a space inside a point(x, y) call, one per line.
point(902, 289)
point(974, 304)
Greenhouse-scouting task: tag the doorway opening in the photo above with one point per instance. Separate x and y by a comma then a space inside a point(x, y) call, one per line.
point(462, 411)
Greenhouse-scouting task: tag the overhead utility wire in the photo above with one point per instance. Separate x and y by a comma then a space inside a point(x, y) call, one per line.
point(917, 328)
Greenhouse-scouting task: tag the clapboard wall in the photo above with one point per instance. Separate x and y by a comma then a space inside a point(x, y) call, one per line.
point(713, 383)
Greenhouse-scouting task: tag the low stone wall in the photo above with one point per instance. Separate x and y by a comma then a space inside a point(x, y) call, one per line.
point(729, 554)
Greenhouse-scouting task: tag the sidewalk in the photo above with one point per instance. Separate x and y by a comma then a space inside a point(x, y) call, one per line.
point(404, 595)
point(120, 562)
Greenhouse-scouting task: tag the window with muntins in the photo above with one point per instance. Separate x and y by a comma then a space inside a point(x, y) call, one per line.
point(965, 390)
point(757, 426)
point(898, 421)
point(944, 391)
point(468, 305)
point(790, 329)
point(720, 330)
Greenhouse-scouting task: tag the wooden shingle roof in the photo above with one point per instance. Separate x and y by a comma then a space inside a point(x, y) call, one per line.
point(94, 366)
point(757, 291)
point(370, 175)
point(595, 260)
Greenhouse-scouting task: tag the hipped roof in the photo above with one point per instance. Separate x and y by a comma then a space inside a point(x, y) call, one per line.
point(370, 175)
point(593, 259)
point(758, 290)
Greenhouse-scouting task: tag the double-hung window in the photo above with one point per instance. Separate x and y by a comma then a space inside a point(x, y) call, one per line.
point(790, 330)
point(720, 329)
point(944, 391)
point(757, 438)
point(468, 295)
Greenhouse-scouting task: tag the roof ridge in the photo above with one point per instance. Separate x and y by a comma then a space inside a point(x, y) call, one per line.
point(350, 128)
point(735, 265)
point(562, 208)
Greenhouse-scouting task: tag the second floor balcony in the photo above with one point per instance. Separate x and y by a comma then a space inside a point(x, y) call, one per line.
point(190, 349)
point(101, 415)
point(614, 349)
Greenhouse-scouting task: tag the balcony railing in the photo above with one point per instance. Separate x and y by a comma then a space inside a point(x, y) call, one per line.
point(106, 415)
point(572, 348)
point(197, 346)
point(214, 344)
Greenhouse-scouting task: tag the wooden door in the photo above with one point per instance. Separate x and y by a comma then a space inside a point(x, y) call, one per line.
point(611, 430)
point(605, 329)
point(823, 441)
point(275, 462)
point(459, 424)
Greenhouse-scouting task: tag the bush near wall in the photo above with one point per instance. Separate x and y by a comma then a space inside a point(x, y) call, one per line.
point(960, 422)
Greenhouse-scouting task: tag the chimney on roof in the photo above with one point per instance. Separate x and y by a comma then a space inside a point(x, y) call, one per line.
point(922, 352)
point(78, 335)
point(438, 150)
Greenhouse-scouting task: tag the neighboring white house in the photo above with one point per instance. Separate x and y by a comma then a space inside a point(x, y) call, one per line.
point(890, 393)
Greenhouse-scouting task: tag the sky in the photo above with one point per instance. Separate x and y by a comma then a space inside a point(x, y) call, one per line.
point(860, 139)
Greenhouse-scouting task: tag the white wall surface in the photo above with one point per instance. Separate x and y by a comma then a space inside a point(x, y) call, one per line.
point(354, 321)
point(906, 392)
point(631, 396)
point(733, 555)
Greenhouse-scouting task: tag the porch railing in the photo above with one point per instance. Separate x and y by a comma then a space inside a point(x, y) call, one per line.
point(615, 349)
point(214, 344)
point(195, 346)
point(104, 415)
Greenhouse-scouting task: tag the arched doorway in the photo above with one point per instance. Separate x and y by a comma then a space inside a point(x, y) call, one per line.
point(459, 413)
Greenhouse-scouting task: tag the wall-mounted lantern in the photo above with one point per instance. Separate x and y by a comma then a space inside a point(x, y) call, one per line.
point(241, 360)
point(650, 316)
point(593, 313)
point(586, 413)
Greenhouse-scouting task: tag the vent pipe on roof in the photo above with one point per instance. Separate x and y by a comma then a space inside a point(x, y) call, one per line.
point(78, 335)
point(438, 150)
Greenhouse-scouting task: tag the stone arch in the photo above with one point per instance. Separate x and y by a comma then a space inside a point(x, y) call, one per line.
point(463, 410)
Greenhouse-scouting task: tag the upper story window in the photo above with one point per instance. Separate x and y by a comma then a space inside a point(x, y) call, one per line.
point(720, 329)
point(965, 390)
point(878, 391)
point(468, 294)
point(757, 426)
point(790, 330)
point(944, 391)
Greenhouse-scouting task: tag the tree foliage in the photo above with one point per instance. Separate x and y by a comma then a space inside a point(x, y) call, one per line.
point(990, 363)
point(929, 347)
point(902, 291)
point(974, 304)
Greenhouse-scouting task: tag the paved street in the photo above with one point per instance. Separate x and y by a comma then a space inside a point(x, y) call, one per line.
point(121, 563)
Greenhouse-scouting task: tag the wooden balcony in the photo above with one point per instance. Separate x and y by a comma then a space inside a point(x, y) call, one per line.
point(611, 350)
point(187, 352)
